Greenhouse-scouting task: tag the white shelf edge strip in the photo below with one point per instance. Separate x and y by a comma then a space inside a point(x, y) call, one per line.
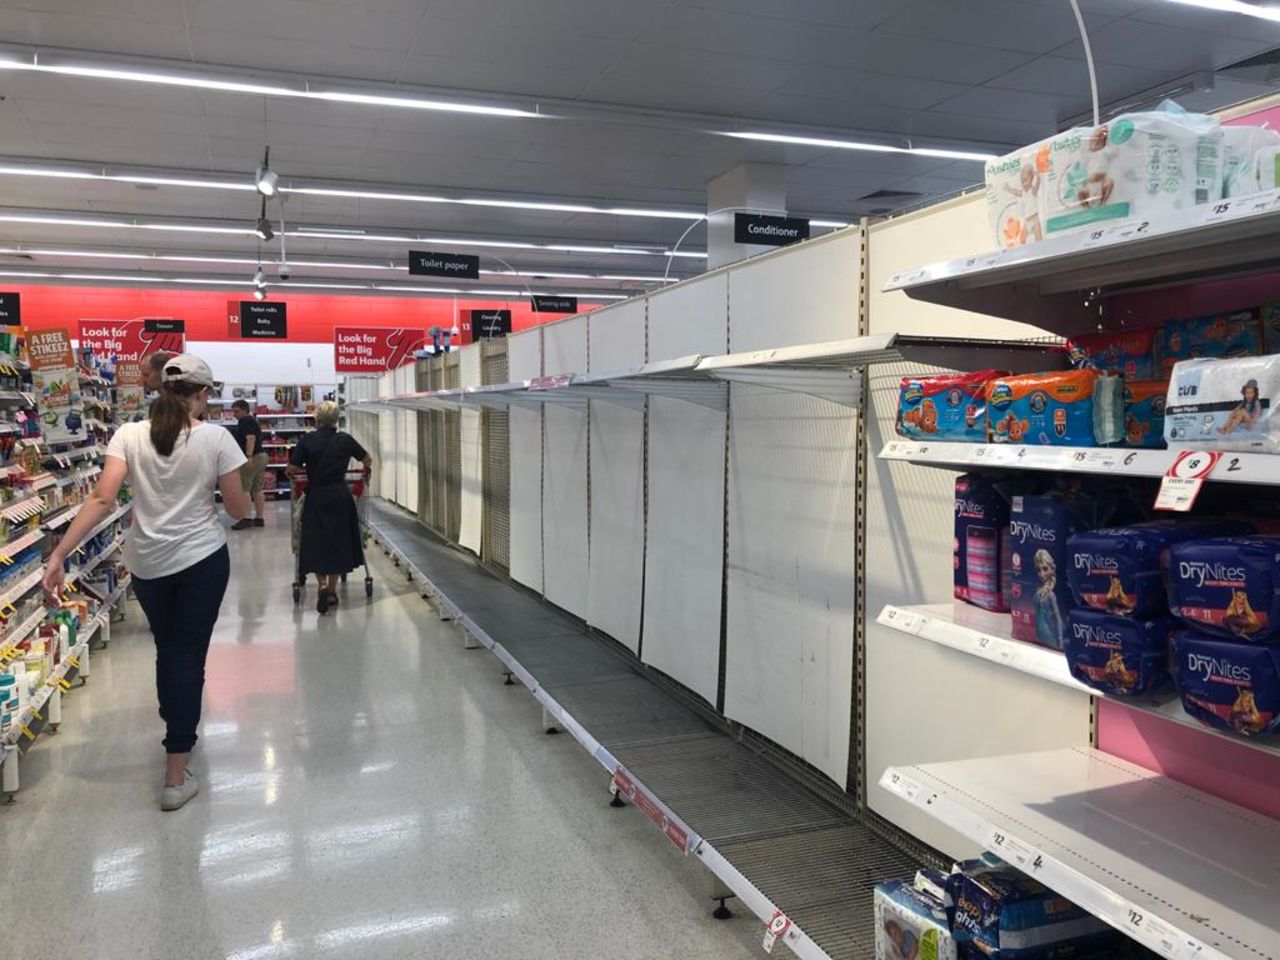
point(743, 889)
point(21, 587)
point(41, 697)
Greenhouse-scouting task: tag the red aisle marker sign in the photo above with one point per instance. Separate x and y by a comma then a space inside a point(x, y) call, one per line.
point(1182, 482)
point(775, 929)
point(642, 799)
point(374, 350)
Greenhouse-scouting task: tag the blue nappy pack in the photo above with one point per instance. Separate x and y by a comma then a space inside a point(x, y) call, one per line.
point(1122, 656)
point(1230, 686)
point(1227, 587)
point(1040, 593)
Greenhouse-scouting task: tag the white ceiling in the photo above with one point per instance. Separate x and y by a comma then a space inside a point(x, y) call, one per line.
point(654, 75)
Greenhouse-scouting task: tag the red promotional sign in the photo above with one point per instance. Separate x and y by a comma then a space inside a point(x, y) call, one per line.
point(650, 807)
point(374, 349)
point(130, 342)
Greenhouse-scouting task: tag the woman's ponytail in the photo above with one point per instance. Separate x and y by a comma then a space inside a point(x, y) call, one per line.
point(171, 414)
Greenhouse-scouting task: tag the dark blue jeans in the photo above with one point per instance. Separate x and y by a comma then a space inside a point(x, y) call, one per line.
point(182, 609)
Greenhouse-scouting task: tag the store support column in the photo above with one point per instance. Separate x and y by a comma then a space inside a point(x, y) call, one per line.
point(746, 188)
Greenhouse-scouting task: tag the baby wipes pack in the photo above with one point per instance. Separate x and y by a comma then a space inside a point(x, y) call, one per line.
point(911, 924)
point(1224, 405)
point(1121, 570)
point(1039, 593)
point(1121, 656)
point(980, 550)
point(1246, 153)
point(1003, 912)
point(1074, 408)
point(1227, 586)
point(1231, 686)
point(945, 406)
point(1127, 352)
point(1236, 334)
point(1144, 403)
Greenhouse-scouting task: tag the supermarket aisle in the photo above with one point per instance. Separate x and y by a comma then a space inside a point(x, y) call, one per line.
point(370, 790)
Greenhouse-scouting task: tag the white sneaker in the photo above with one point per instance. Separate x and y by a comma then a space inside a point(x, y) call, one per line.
point(176, 797)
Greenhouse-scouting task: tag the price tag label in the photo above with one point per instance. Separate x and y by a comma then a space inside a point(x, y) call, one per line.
point(903, 785)
point(1181, 485)
point(777, 926)
point(1217, 212)
point(1095, 238)
point(903, 620)
point(1014, 851)
point(907, 277)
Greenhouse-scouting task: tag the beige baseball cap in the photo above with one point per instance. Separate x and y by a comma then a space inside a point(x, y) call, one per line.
point(189, 369)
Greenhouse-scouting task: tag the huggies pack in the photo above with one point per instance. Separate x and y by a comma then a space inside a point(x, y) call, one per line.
point(1074, 408)
point(1144, 404)
point(911, 924)
point(1127, 352)
point(1040, 595)
point(1227, 587)
point(1121, 656)
point(1226, 335)
point(1121, 570)
point(1224, 405)
point(1231, 686)
point(980, 550)
point(945, 407)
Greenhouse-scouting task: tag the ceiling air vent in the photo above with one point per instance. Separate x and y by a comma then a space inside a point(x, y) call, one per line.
point(892, 195)
point(16, 257)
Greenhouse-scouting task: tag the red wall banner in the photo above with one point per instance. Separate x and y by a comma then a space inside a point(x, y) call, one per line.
point(130, 342)
point(373, 349)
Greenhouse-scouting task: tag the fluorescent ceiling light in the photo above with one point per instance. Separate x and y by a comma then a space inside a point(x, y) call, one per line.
point(302, 90)
point(857, 145)
point(834, 224)
point(1235, 6)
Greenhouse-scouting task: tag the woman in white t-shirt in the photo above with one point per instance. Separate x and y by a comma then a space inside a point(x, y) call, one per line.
point(176, 548)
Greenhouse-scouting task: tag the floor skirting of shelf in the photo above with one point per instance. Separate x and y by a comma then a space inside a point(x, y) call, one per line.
point(772, 841)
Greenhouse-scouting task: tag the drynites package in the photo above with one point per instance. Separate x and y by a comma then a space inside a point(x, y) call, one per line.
point(945, 407)
point(1118, 655)
point(980, 550)
point(1224, 405)
point(1144, 403)
point(1075, 408)
point(1232, 686)
point(1127, 352)
point(1121, 570)
point(911, 924)
point(1227, 587)
point(1040, 596)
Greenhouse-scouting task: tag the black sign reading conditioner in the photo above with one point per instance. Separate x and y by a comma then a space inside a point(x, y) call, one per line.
point(555, 304)
point(165, 326)
point(262, 321)
point(488, 324)
point(10, 309)
point(426, 264)
point(768, 231)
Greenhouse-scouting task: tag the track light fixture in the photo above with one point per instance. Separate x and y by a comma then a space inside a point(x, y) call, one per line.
point(259, 293)
point(263, 229)
point(264, 178)
point(259, 277)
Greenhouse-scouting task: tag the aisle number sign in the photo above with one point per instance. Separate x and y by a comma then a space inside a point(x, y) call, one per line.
point(374, 350)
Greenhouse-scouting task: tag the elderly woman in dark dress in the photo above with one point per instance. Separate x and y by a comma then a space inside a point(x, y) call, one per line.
point(329, 532)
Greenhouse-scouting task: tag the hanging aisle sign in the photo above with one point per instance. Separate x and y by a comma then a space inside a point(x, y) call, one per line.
point(423, 263)
point(374, 349)
point(56, 383)
point(260, 320)
point(488, 324)
point(554, 304)
point(159, 325)
point(768, 231)
point(10, 309)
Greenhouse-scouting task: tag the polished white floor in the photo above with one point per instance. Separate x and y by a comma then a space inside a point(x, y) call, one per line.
point(370, 790)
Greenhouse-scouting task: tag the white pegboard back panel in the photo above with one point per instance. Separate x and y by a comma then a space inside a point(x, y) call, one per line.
point(472, 497)
point(525, 363)
point(564, 492)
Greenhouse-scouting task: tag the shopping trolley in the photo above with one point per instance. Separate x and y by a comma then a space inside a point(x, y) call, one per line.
point(298, 488)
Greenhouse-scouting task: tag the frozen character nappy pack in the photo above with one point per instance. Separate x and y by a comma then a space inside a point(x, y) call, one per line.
point(945, 407)
point(1121, 656)
point(1074, 408)
point(1227, 587)
point(1225, 335)
point(1144, 403)
point(1039, 594)
point(1224, 405)
point(1127, 352)
point(980, 551)
point(1122, 570)
point(1231, 686)
point(911, 924)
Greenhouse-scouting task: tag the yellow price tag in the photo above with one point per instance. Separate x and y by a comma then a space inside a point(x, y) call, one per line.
point(26, 731)
point(72, 587)
point(64, 683)
point(74, 662)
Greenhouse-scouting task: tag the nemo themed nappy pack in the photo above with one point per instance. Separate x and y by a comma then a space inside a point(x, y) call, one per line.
point(945, 407)
point(1073, 408)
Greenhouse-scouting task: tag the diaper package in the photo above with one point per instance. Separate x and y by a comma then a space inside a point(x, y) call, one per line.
point(1229, 335)
point(1224, 405)
point(1121, 570)
point(1040, 595)
point(1127, 352)
point(1003, 912)
point(1228, 586)
point(1246, 153)
point(1144, 403)
point(1074, 408)
point(980, 550)
point(945, 406)
point(1232, 686)
point(1271, 327)
point(911, 924)
point(1121, 656)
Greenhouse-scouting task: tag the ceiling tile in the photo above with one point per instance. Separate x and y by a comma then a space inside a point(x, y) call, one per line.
point(1002, 104)
point(766, 37)
point(1156, 47)
point(897, 55)
point(1069, 78)
point(1006, 25)
point(83, 30)
point(833, 83)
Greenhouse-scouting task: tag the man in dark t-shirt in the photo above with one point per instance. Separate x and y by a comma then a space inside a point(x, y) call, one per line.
point(253, 474)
